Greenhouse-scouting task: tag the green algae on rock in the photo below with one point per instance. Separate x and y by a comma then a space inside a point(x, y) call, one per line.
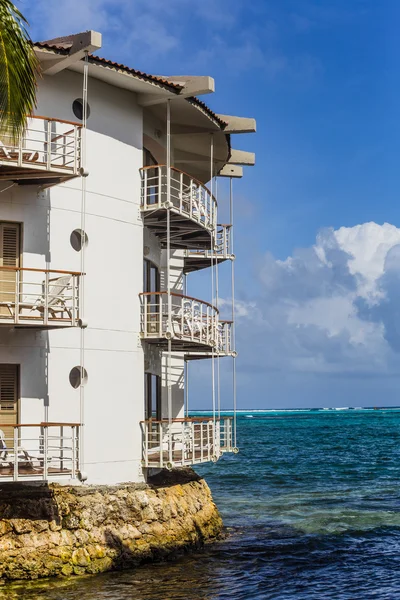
point(53, 530)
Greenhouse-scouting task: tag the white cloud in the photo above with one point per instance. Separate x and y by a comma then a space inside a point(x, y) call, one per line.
point(331, 308)
point(368, 245)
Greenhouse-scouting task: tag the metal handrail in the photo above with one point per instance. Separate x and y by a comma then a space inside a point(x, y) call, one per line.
point(187, 196)
point(222, 247)
point(192, 320)
point(34, 297)
point(48, 451)
point(225, 337)
point(186, 441)
point(46, 144)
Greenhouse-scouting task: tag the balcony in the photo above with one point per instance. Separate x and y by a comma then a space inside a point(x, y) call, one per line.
point(49, 151)
point(224, 345)
point(41, 452)
point(184, 442)
point(39, 298)
point(201, 259)
point(193, 210)
point(189, 323)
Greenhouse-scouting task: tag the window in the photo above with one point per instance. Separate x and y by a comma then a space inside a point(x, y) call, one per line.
point(151, 277)
point(151, 177)
point(78, 239)
point(151, 286)
point(148, 158)
point(77, 107)
point(152, 396)
point(10, 235)
point(78, 376)
point(9, 379)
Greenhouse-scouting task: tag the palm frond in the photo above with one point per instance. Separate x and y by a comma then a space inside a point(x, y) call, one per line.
point(18, 71)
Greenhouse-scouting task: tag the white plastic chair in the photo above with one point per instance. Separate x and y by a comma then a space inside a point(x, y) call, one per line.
point(56, 300)
point(12, 154)
point(7, 455)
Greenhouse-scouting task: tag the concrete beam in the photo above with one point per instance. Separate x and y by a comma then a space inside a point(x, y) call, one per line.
point(241, 157)
point(191, 86)
point(231, 171)
point(194, 86)
point(238, 124)
point(79, 44)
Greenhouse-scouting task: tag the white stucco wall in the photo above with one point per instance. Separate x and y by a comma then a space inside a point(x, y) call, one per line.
point(113, 396)
point(112, 402)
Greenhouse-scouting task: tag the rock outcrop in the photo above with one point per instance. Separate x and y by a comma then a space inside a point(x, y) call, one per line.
point(54, 530)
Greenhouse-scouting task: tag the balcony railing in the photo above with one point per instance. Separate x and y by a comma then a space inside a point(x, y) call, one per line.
point(200, 259)
point(184, 442)
point(39, 452)
point(225, 338)
point(223, 347)
point(41, 298)
point(189, 323)
point(193, 208)
point(47, 148)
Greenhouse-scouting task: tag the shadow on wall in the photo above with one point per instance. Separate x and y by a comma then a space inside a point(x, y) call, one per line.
point(36, 237)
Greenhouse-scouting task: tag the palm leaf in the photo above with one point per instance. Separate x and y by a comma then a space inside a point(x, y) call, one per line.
point(18, 71)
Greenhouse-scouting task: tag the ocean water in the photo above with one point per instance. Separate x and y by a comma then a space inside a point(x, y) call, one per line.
point(312, 509)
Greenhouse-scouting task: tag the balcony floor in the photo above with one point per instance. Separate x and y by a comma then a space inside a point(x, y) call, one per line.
point(35, 323)
point(32, 473)
point(179, 344)
point(185, 233)
point(26, 175)
point(160, 459)
point(196, 263)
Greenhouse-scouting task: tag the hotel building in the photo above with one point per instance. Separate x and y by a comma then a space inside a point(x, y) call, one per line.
point(107, 203)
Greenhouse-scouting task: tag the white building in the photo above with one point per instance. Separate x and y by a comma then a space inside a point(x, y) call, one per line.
point(103, 210)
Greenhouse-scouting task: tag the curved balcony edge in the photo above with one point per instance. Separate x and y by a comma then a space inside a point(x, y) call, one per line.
point(195, 260)
point(185, 442)
point(224, 347)
point(188, 322)
point(193, 209)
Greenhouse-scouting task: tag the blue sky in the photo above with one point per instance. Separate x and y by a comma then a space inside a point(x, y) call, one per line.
point(317, 319)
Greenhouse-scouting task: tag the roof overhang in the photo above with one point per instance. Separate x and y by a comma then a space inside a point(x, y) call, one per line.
point(77, 46)
point(189, 87)
point(193, 124)
point(238, 124)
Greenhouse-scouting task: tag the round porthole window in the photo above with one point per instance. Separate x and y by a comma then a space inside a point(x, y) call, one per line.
point(78, 239)
point(78, 376)
point(77, 107)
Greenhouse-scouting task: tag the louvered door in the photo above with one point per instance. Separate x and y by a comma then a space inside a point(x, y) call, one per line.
point(9, 257)
point(8, 401)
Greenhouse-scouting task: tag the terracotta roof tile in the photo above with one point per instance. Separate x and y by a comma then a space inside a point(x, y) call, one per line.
point(93, 59)
point(203, 105)
point(104, 61)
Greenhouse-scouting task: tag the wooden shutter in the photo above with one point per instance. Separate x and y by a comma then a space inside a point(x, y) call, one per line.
point(8, 401)
point(9, 257)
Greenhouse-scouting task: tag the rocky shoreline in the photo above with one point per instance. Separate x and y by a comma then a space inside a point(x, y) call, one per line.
point(53, 530)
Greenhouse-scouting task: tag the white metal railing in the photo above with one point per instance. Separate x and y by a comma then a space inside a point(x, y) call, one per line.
point(39, 451)
point(225, 338)
point(39, 297)
point(188, 196)
point(46, 145)
point(182, 442)
point(190, 320)
point(222, 249)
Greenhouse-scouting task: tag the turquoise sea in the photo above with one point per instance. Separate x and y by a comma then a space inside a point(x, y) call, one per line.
point(312, 508)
